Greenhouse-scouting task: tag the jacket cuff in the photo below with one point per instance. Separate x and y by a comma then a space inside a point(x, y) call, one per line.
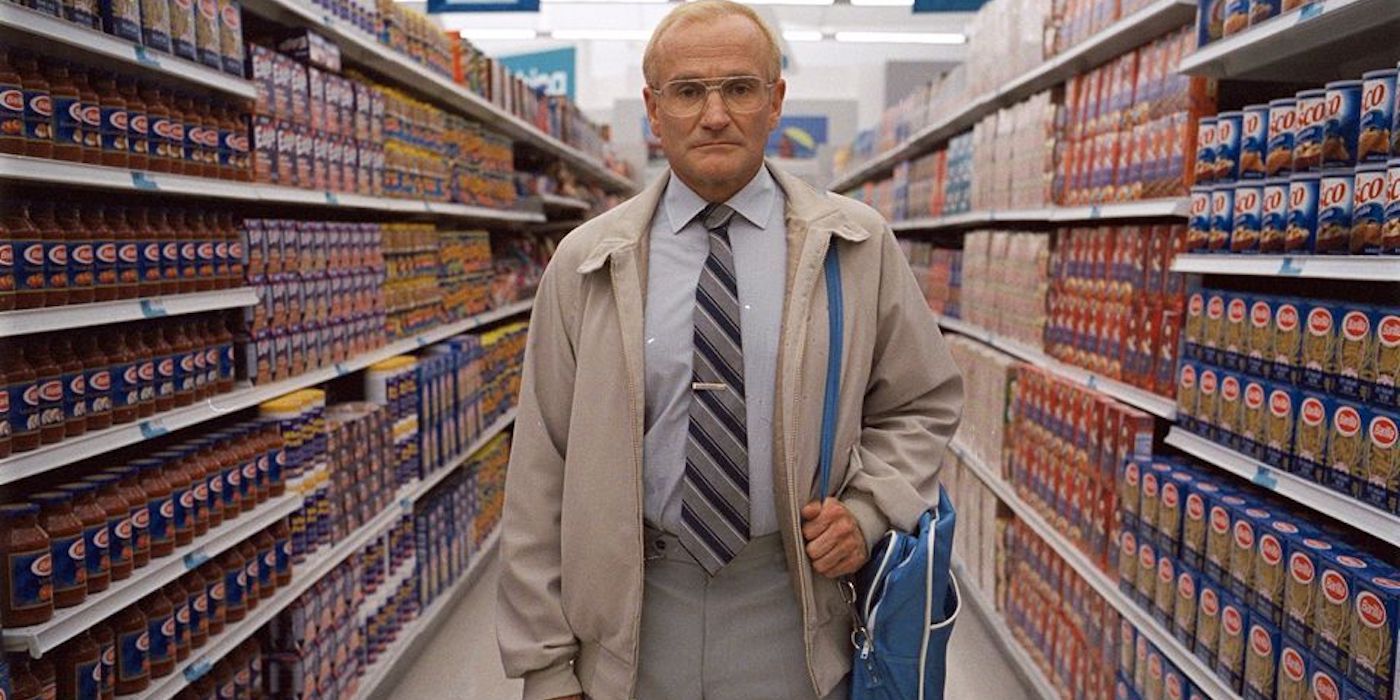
point(557, 681)
point(873, 523)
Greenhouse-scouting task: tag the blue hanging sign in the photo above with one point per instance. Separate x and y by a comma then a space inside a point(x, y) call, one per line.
point(441, 6)
point(948, 5)
point(553, 71)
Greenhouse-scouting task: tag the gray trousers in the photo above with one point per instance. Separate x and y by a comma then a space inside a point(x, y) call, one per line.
point(737, 636)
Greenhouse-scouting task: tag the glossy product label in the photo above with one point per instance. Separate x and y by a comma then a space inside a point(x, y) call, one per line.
point(1377, 116)
point(170, 260)
point(11, 110)
point(233, 481)
point(1334, 203)
point(250, 479)
point(119, 540)
point(148, 264)
point(226, 361)
point(181, 503)
point(114, 129)
point(87, 679)
point(1249, 211)
point(1227, 146)
point(182, 28)
point(1302, 213)
point(126, 385)
point(1390, 234)
point(74, 395)
point(155, 24)
point(122, 18)
point(139, 136)
point(104, 262)
point(69, 563)
point(162, 513)
point(68, 120)
point(109, 669)
point(99, 390)
point(165, 375)
point(1342, 125)
point(1222, 216)
point(24, 408)
point(185, 372)
point(234, 583)
point(162, 636)
point(95, 539)
point(31, 579)
point(1205, 149)
point(1368, 210)
point(133, 661)
point(141, 527)
point(1311, 121)
point(1254, 133)
point(56, 263)
point(29, 264)
point(283, 550)
point(38, 115)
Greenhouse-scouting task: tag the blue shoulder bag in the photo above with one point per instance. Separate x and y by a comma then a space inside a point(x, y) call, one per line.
point(905, 600)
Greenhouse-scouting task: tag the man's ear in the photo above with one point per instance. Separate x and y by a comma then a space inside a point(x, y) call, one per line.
point(653, 116)
point(779, 92)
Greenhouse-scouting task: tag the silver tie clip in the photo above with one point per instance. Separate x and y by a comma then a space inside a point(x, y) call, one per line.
point(708, 386)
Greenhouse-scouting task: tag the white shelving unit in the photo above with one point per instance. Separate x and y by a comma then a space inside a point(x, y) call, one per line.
point(1174, 207)
point(306, 575)
point(1316, 497)
point(67, 622)
point(57, 172)
point(1358, 268)
point(27, 464)
point(303, 578)
point(1011, 649)
point(55, 318)
point(1323, 40)
point(1128, 33)
point(360, 48)
point(1200, 675)
point(1131, 395)
point(416, 633)
point(20, 26)
point(561, 203)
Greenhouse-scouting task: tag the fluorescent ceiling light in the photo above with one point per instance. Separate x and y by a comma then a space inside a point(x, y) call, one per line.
point(601, 34)
point(902, 37)
point(802, 35)
point(882, 3)
point(453, 23)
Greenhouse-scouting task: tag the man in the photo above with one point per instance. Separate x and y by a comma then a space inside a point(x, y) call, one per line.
point(662, 534)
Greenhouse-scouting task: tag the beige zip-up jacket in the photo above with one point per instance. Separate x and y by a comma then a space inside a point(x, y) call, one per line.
point(570, 596)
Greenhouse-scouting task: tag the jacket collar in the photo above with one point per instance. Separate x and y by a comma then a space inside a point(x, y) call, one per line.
point(806, 208)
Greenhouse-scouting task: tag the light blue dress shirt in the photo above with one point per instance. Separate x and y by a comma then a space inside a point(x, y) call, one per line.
point(679, 246)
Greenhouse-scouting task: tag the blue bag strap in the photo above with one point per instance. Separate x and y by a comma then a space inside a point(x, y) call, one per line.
point(835, 331)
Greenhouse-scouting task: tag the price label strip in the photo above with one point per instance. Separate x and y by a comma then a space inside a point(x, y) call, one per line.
point(145, 58)
point(153, 429)
point(195, 559)
point(1263, 476)
point(152, 308)
point(142, 181)
point(197, 670)
point(1289, 268)
point(1311, 10)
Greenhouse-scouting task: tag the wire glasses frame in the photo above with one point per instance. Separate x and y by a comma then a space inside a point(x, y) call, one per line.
point(741, 94)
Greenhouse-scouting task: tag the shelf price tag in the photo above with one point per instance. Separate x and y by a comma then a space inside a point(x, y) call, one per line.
point(340, 370)
point(1311, 10)
point(1288, 268)
point(195, 559)
point(406, 503)
point(332, 199)
point(1092, 382)
point(145, 58)
point(1265, 478)
point(152, 308)
point(153, 429)
point(196, 670)
point(1095, 212)
point(142, 181)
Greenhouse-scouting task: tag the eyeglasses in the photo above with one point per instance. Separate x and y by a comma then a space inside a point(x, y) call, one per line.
point(742, 94)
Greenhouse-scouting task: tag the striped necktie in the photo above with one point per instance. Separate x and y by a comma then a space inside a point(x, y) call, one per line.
point(715, 496)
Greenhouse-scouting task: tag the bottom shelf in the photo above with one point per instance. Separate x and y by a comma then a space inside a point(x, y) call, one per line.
point(416, 633)
point(1011, 649)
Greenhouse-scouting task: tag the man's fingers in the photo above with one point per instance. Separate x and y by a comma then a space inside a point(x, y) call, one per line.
point(813, 529)
point(811, 510)
point(821, 546)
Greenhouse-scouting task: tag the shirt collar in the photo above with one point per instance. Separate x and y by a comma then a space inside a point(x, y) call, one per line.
point(754, 202)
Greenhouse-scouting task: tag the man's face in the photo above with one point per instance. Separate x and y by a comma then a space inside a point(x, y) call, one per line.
point(715, 152)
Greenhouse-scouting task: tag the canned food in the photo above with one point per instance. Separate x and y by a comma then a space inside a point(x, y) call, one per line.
point(1342, 123)
point(1236, 17)
point(1377, 115)
point(1254, 141)
point(1227, 145)
point(1368, 209)
point(1198, 228)
point(1210, 21)
point(1283, 123)
point(1273, 219)
point(1222, 217)
point(1249, 211)
point(1311, 121)
point(1390, 233)
point(1302, 212)
point(1334, 207)
point(1260, 10)
point(1205, 149)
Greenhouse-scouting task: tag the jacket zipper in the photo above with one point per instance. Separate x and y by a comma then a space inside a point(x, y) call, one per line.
point(803, 581)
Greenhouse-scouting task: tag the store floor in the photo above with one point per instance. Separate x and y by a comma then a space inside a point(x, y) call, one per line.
point(461, 661)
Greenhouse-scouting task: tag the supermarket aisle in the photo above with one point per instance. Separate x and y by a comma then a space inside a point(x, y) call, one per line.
point(461, 660)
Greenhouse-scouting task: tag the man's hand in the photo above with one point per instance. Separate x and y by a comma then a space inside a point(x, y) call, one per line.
point(834, 540)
